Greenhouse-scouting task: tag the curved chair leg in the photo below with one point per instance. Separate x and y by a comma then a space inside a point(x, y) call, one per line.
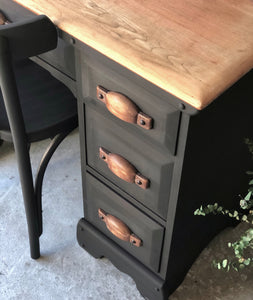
point(14, 112)
point(41, 172)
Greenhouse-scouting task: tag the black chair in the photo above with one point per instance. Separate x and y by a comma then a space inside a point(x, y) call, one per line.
point(33, 106)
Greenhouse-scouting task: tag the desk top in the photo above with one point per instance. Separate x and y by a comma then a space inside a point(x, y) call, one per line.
point(193, 49)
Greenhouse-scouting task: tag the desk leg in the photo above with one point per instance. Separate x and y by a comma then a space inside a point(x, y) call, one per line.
point(98, 245)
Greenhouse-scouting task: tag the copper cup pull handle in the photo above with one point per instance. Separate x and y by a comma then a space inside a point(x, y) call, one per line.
point(124, 108)
point(122, 168)
point(118, 228)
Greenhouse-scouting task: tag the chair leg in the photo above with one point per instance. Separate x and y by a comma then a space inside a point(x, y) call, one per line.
point(25, 173)
point(14, 112)
point(1, 142)
point(41, 172)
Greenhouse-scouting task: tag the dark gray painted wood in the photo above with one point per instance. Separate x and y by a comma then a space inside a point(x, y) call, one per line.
point(130, 199)
point(46, 112)
point(13, 11)
point(62, 58)
point(203, 141)
point(156, 165)
point(215, 163)
point(207, 152)
point(165, 116)
point(151, 233)
point(98, 245)
point(96, 59)
point(69, 82)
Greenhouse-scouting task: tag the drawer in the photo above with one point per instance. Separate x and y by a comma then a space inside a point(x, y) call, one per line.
point(151, 163)
point(123, 220)
point(62, 58)
point(165, 117)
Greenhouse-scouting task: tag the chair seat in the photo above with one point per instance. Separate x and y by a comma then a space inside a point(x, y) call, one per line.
point(48, 108)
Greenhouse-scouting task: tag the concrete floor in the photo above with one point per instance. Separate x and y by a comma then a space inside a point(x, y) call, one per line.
point(65, 271)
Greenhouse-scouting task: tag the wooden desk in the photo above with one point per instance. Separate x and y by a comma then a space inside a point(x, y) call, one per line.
point(194, 50)
point(172, 62)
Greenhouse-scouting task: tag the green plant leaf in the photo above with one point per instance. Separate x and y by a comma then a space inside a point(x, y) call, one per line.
point(247, 261)
point(234, 267)
point(244, 204)
point(244, 218)
point(247, 197)
point(237, 252)
point(224, 263)
point(219, 209)
point(246, 240)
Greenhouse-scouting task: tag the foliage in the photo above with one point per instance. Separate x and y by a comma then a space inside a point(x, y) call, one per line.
point(245, 243)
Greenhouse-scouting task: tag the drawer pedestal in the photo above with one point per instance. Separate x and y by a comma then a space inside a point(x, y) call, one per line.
point(190, 157)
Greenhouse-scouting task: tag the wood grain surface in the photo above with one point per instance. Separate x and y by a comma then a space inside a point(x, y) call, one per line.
point(193, 49)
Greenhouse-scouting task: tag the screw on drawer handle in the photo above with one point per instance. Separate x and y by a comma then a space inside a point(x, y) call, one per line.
point(123, 108)
point(118, 228)
point(122, 168)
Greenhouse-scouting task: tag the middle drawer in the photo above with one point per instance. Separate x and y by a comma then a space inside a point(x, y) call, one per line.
point(128, 153)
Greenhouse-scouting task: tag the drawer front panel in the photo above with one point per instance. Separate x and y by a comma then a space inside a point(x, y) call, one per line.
point(150, 164)
point(62, 58)
point(165, 117)
point(141, 227)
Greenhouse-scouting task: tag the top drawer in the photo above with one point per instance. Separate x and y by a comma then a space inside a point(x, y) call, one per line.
point(62, 58)
point(122, 83)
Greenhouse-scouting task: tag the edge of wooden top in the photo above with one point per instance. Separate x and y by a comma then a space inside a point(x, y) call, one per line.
point(197, 94)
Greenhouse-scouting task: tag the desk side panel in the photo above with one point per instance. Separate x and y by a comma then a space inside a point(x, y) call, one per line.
point(214, 170)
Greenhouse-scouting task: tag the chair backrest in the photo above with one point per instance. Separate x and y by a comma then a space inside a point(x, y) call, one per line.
point(30, 37)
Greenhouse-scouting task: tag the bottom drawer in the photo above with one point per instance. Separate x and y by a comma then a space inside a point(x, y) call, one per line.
point(123, 223)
